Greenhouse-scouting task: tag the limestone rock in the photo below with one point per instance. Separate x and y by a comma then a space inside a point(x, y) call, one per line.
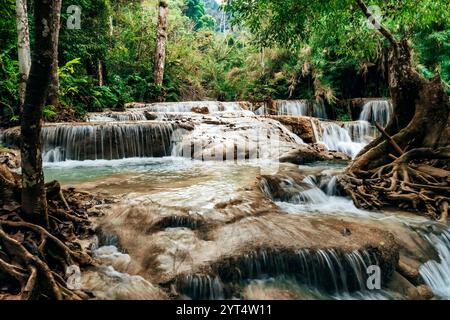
point(306, 154)
point(301, 126)
point(425, 292)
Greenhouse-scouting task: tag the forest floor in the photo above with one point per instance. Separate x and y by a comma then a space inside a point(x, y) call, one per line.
point(34, 257)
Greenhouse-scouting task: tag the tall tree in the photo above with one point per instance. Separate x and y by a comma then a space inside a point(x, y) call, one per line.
point(23, 47)
point(46, 26)
point(53, 90)
point(161, 39)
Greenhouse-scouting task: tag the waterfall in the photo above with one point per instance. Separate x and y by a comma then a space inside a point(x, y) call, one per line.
point(201, 287)
point(360, 131)
point(118, 116)
point(337, 138)
point(377, 111)
point(328, 270)
point(292, 107)
point(108, 141)
point(301, 108)
point(317, 193)
point(437, 274)
point(188, 106)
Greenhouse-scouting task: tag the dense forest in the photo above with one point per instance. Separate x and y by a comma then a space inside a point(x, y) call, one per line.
point(212, 54)
point(203, 149)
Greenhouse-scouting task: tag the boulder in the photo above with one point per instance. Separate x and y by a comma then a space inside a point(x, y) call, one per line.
point(10, 158)
point(425, 292)
point(301, 126)
point(306, 154)
point(201, 110)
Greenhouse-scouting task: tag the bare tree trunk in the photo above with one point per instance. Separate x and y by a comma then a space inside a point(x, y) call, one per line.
point(45, 46)
point(53, 90)
point(23, 47)
point(161, 39)
point(100, 73)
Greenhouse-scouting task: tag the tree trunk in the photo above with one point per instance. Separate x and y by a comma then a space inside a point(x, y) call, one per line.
point(100, 73)
point(23, 47)
point(407, 166)
point(53, 90)
point(160, 54)
point(420, 107)
point(421, 111)
point(45, 46)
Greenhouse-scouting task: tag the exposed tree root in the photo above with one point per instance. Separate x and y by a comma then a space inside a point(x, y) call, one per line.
point(33, 258)
point(414, 181)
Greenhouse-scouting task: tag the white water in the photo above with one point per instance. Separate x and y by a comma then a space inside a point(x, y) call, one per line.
point(200, 186)
point(292, 107)
point(317, 194)
point(212, 106)
point(377, 111)
point(360, 131)
point(337, 138)
point(109, 140)
point(437, 274)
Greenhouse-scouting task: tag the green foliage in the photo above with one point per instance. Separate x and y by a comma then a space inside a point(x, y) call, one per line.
point(338, 32)
point(9, 80)
point(280, 49)
point(195, 9)
point(9, 69)
point(49, 112)
point(344, 117)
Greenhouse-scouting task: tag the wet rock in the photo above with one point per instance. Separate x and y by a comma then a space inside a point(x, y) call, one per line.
point(409, 268)
point(281, 187)
point(301, 126)
point(105, 283)
point(425, 292)
point(201, 110)
point(10, 158)
point(401, 285)
point(304, 154)
point(151, 115)
point(10, 137)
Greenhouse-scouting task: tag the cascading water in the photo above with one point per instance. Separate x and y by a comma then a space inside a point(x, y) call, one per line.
point(377, 111)
point(315, 193)
point(337, 138)
point(437, 274)
point(292, 107)
point(360, 131)
point(331, 271)
point(107, 141)
point(211, 106)
point(194, 203)
point(301, 108)
point(118, 116)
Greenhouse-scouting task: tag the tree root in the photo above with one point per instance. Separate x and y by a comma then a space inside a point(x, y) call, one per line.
point(34, 258)
point(32, 271)
point(411, 181)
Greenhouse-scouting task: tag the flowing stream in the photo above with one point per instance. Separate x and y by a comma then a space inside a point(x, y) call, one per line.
point(204, 210)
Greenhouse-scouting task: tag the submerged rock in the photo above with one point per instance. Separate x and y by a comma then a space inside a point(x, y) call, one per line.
point(105, 283)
